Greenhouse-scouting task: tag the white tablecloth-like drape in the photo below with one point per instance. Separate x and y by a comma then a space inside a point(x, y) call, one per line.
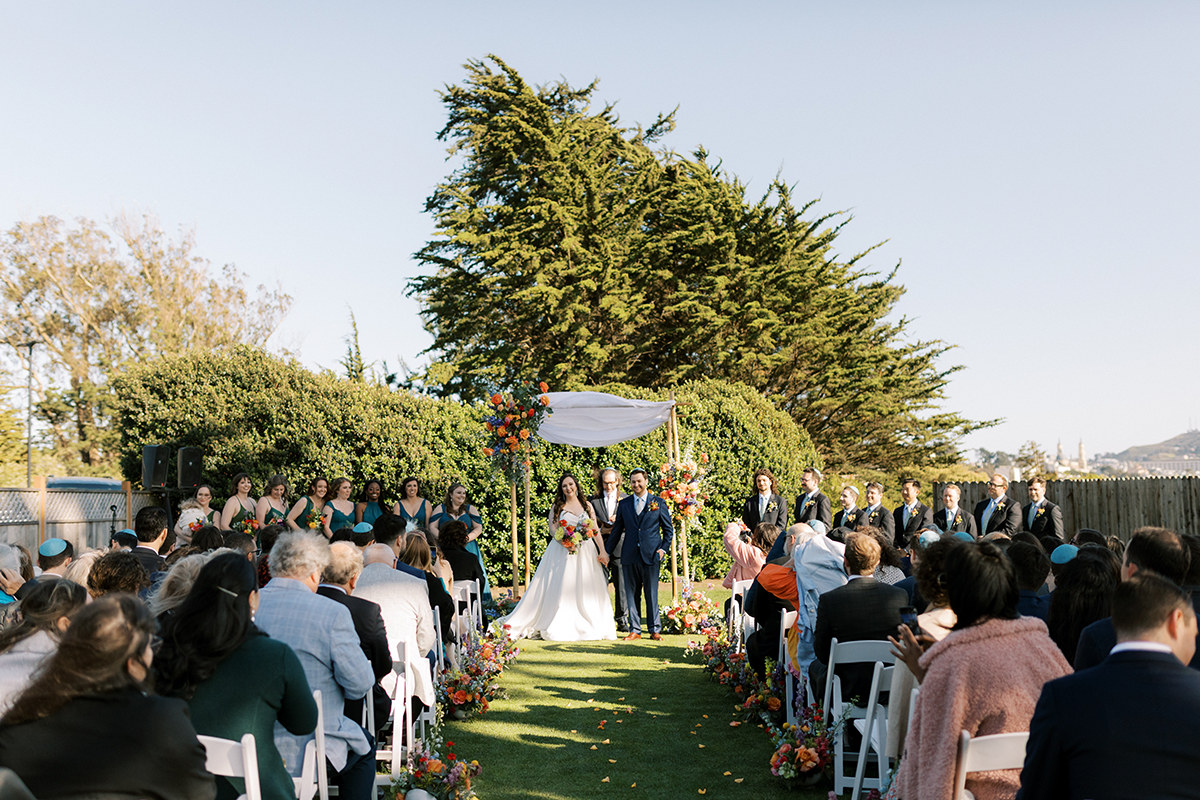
point(596, 419)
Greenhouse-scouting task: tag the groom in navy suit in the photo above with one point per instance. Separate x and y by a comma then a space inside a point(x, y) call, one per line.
point(646, 523)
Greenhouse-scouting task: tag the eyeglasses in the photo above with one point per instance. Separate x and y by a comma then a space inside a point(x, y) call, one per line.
point(155, 642)
point(998, 485)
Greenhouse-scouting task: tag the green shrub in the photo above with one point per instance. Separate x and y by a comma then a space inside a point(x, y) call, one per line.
point(258, 413)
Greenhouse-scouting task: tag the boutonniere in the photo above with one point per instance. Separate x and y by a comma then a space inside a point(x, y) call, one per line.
point(851, 517)
point(653, 505)
point(807, 504)
point(999, 506)
point(771, 506)
point(1041, 510)
point(958, 519)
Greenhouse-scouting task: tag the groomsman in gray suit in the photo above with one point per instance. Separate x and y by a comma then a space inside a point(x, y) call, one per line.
point(604, 506)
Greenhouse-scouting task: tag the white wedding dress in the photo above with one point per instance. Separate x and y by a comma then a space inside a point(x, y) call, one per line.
point(567, 598)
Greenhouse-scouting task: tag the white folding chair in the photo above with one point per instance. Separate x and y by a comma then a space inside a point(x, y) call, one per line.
point(985, 753)
point(873, 728)
point(786, 620)
point(232, 759)
point(836, 707)
point(468, 622)
point(439, 649)
point(313, 777)
point(394, 752)
point(737, 606)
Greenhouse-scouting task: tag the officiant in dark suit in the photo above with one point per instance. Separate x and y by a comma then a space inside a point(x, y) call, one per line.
point(645, 522)
point(766, 504)
point(604, 506)
point(813, 504)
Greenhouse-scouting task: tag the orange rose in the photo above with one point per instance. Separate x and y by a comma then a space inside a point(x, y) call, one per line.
point(524, 434)
point(497, 399)
point(545, 400)
point(460, 697)
point(435, 766)
point(542, 385)
point(487, 451)
point(773, 703)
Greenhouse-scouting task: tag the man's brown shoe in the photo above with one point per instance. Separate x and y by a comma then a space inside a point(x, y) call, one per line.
point(630, 637)
point(656, 637)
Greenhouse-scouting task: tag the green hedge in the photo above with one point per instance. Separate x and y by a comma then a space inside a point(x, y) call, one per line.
point(261, 414)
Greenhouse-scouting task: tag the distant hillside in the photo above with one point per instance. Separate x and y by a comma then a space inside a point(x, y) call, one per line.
point(1185, 444)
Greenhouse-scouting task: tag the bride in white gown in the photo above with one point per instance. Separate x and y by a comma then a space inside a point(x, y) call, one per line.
point(567, 598)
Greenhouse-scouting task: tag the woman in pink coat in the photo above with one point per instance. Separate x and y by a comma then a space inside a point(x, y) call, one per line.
point(985, 677)
point(748, 557)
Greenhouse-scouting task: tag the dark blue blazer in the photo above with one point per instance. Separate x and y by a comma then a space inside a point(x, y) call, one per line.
point(1128, 728)
point(644, 534)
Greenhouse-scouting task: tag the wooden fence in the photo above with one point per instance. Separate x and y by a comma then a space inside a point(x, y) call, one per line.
point(83, 517)
point(1110, 505)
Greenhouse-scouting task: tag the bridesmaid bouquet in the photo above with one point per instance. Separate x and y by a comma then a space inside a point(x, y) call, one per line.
point(247, 526)
point(571, 536)
point(312, 520)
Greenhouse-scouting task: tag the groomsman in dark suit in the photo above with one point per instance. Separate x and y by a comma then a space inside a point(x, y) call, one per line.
point(999, 513)
point(766, 504)
point(875, 515)
point(813, 504)
point(911, 517)
point(604, 506)
point(1041, 517)
point(645, 522)
point(848, 516)
point(1127, 727)
point(952, 518)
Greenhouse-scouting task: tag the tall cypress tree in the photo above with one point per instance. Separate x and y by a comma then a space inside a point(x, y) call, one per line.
point(569, 249)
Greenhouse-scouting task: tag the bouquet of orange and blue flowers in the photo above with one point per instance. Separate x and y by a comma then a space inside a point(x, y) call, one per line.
point(571, 536)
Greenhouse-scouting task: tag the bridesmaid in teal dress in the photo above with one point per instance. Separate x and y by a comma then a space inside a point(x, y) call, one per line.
point(298, 517)
point(204, 496)
point(339, 510)
point(272, 506)
point(371, 505)
point(240, 506)
point(456, 507)
point(411, 507)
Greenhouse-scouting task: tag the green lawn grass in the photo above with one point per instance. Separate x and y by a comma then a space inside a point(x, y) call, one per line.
point(659, 727)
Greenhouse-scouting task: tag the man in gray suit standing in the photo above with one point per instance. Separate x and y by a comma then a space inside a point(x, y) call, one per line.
point(604, 506)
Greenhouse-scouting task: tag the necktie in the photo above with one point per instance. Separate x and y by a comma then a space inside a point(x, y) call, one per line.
point(987, 514)
point(639, 504)
point(907, 515)
point(1033, 507)
point(762, 506)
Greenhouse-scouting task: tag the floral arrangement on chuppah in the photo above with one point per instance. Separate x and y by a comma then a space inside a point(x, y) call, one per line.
point(693, 612)
point(680, 483)
point(510, 425)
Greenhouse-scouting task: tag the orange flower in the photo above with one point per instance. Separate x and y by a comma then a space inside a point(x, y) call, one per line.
point(545, 400)
point(542, 385)
point(511, 440)
point(460, 697)
point(487, 451)
point(436, 766)
point(524, 434)
point(488, 425)
point(497, 399)
point(502, 432)
point(773, 703)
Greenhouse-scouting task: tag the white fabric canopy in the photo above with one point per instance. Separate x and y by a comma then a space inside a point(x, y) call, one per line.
point(596, 419)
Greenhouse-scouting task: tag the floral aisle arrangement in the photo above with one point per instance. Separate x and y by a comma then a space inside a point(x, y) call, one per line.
point(502, 606)
point(442, 775)
point(805, 749)
point(692, 613)
point(680, 483)
point(467, 688)
point(571, 536)
point(510, 425)
point(758, 699)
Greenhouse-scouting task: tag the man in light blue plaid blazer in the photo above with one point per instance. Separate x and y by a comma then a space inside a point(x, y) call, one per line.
point(321, 632)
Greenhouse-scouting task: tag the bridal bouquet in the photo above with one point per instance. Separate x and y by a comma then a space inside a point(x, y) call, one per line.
point(571, 536)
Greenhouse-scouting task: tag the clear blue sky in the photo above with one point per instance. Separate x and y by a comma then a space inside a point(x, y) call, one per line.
point(1034, 166)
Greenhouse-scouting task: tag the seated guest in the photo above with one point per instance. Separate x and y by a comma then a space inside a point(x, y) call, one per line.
point(1127, 727)
point(1117, 546)
point(820, 565)
point(150, 525)
point(337, 582)
point(891, 560)
point(917, 546)
point(1032, 566)
point(416, 554)
point(321, 632)
point(124, 539)
point(1157, 550)
point(452, 541)
point(266, 540)
point(173, 589)
point(407, 614)
point(862, 609)
point(235, 679)
point(984, 678)
point(765, 504)
point(1082, 594)
point(54, 556)
point(117, 571)
point(748, 557)
point(441, 567)
point(91, 702)
point(45, 613)
point(775, 591)
point(208, 538)
point(1088, 536)
point(242, 543)
point(390, 531)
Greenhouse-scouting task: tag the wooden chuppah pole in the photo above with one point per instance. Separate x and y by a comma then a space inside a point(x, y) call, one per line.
point(512, 523)
point(527, 468)
point(683, 525)
point(671, 434)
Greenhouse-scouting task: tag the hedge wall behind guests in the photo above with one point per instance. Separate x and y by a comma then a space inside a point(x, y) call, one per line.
point(262, 414)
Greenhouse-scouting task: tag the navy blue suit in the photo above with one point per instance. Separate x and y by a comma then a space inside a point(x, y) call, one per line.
point(1127, 728)
point(645, 534)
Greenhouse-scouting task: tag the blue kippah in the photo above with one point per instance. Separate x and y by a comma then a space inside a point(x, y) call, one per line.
point(127, 530)
point(963, 536)
point(364, 527)
point(818, 527)
point(52, 547)
point(927, 538)
point(1063, 553)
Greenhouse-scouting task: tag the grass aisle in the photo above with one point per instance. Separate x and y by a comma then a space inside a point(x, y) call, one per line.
point(636, 714)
